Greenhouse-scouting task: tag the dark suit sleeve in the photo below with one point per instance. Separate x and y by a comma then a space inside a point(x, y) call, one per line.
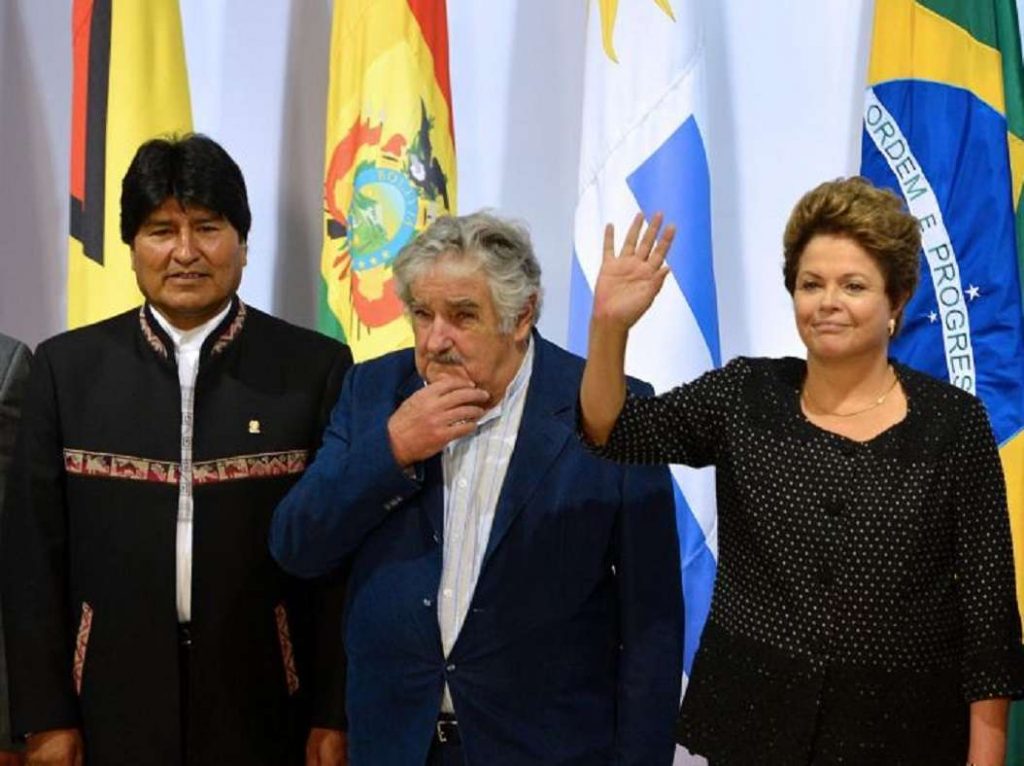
point(683, 425)
point(13, 380)
point(351, 487)
point(651, 618)
point(34, 567)
point(328, 704)
point(993, 661)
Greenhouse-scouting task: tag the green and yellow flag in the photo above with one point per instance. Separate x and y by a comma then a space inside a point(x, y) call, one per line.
point(129, 84)
point(944, 127)
point(389, 161)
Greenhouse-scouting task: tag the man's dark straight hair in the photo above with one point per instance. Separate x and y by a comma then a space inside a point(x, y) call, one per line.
point(193, 169)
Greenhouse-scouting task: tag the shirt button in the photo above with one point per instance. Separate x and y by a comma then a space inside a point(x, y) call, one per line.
point(447, 592)
point(463, 483)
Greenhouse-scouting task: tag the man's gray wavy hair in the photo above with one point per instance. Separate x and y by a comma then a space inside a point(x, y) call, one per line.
point(498, 246)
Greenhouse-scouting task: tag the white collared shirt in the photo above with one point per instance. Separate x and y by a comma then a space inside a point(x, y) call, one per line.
point(187, 346)
point(474, 469)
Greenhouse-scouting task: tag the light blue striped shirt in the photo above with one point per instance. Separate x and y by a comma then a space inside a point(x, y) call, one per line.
point(474, 471)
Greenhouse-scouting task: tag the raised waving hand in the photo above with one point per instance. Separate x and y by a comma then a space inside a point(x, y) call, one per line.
point(625, 288)
point(628, 282)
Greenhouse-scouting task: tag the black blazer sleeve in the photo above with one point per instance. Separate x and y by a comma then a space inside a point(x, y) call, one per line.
point(328, 650)
point(34, 567)
point(15, 365)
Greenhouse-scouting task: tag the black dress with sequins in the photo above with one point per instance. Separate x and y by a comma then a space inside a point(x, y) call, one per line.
point(865, 590)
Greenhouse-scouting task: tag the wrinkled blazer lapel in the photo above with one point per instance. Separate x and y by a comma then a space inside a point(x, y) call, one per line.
point(545, 428)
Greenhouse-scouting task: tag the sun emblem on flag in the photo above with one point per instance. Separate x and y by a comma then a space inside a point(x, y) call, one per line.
point(378, 192)
point(609, 9)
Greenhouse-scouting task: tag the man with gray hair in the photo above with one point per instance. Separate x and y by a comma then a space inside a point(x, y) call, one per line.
point(513, 599)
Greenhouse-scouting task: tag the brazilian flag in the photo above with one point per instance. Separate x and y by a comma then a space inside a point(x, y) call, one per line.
point(944, 126)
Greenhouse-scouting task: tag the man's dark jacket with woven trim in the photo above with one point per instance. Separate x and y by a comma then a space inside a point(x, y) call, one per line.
point(88, 545)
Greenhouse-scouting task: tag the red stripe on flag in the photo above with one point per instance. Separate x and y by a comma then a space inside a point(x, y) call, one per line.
point(81, 24)
point(432, 16)
point(91, 51)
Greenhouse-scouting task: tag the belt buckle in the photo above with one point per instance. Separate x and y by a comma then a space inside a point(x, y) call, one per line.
point(442, 728)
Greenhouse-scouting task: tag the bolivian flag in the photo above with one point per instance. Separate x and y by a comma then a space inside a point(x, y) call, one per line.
point(389, 161)
point(943, 125)
point(129, 85)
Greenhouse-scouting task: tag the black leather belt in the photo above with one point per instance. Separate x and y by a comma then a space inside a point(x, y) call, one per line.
point(447, 730)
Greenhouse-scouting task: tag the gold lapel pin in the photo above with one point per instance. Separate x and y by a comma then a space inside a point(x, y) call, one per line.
point(254, 426)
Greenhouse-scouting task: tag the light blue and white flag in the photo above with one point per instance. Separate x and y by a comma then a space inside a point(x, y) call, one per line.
point(642, 148)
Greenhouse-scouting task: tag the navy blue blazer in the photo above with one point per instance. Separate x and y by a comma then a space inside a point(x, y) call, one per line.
point(571, 651)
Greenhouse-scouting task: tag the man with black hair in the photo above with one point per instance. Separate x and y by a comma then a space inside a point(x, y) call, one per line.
point(146, 622)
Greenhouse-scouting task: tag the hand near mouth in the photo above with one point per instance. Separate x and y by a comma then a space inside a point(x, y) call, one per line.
point(444, 410)
point(437, 372)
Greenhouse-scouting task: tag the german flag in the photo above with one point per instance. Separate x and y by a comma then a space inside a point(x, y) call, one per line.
point(129, 84)
point(389, 161)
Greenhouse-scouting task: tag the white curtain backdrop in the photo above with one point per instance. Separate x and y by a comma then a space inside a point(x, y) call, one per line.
point(785, 95)
point(785, 85)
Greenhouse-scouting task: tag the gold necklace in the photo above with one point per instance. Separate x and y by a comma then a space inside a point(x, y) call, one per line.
point(816, 410)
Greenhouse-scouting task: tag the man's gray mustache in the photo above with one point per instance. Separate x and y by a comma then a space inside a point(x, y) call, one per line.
point(446, 358)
